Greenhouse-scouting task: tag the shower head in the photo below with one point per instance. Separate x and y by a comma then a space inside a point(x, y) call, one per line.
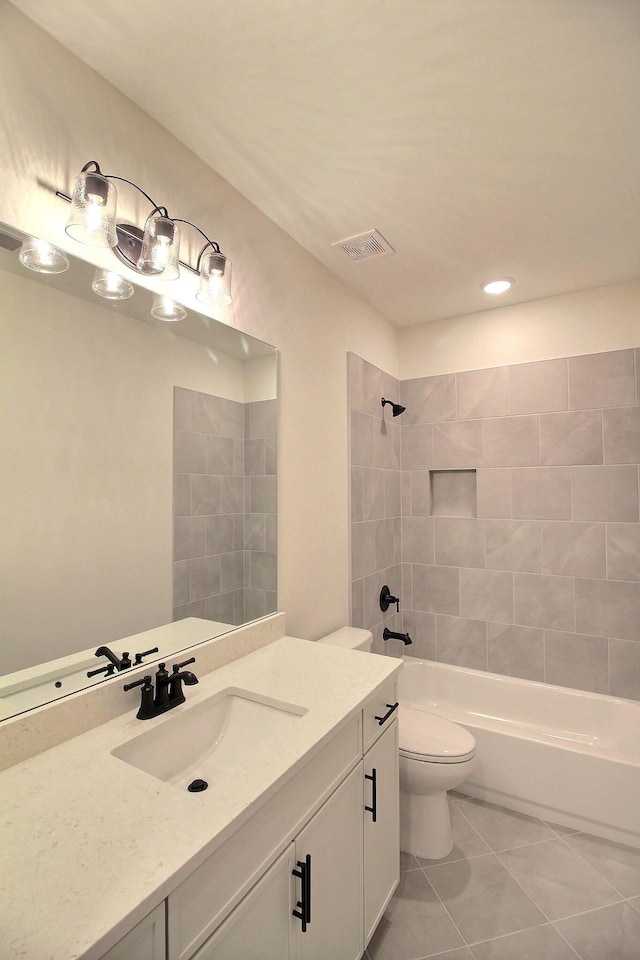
point(396, 407)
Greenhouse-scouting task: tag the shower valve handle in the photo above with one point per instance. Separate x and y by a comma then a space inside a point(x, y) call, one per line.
point(386, 599)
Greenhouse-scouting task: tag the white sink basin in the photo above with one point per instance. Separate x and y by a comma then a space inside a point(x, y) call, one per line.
point(210, 741)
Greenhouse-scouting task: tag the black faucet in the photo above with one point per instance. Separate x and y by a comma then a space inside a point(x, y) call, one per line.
point(392, 635)
point(115, 663)
point(168, 690)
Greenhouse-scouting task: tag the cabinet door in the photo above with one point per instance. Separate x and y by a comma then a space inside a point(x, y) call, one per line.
point(381, 827)
point(260, 926)
point(145, 942)
point(333, 842)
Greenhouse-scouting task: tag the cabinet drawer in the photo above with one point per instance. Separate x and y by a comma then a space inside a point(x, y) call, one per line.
point(378, 713)
point(202, 902)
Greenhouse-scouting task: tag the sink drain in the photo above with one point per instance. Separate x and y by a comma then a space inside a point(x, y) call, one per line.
point(197, 786)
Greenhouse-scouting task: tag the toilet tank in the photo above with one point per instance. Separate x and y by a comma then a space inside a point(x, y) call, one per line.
point(353, 638)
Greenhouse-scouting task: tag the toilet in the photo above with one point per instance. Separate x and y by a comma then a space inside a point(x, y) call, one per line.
point(436, 755)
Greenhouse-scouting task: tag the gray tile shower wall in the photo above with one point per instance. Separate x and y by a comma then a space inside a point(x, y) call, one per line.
point(518, 543)
point(376, 496)
point(224, 507)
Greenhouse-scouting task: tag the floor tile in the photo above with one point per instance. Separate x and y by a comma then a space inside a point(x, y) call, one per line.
point(619, 865)
point(466, 841)
point(504, 829)
point(612, 933)
point(415, 923)
point(482, 898)
point(462, 954)
point(539, 943)
point(557, 880)
point(407, 862)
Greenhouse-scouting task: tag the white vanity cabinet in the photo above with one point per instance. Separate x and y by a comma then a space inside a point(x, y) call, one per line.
point(309, 876)
point(318, 813)
point(145, 942)
point(308, 905)
point(260, 926)
point(381, 826)
point(331, 845)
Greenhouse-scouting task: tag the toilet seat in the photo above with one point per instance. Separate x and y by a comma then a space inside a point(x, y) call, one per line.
point(430, 738)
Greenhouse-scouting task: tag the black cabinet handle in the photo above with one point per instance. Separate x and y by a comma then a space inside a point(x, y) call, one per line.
point(303, 911)
point(373, 809)
point(392, 707)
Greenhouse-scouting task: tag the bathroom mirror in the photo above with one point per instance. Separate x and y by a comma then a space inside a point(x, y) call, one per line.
point(111, 526)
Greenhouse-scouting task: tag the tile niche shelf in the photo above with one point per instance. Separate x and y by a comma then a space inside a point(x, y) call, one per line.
point(453, 493)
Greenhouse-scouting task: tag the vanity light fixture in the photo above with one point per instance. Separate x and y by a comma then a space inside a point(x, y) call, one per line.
point(152, 251)
point(495, 287)
point(40, 256)
point(111, 286)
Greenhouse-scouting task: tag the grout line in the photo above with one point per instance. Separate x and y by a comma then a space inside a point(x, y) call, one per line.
point(594, 869)
point(503, 936)
point(446, 909)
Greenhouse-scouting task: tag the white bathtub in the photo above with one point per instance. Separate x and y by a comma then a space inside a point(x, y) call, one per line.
point(559, 754)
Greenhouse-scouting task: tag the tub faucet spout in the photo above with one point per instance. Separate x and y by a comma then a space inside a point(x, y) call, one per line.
point(392, 635)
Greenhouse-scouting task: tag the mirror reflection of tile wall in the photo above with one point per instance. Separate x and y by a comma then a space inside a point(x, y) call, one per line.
point(224, 566)
point(536, 572)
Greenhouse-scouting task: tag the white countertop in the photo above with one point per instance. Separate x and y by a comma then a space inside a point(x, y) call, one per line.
point(89, 844)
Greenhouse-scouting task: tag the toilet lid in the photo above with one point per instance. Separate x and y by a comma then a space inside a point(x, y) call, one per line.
point(426, 736)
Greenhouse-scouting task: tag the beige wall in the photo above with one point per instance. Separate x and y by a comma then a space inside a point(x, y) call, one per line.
point(589, 321)
point(56, 115)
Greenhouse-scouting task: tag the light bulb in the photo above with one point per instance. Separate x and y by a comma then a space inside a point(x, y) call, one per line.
point(215, 280)
point(160, 248)
point(92, 218)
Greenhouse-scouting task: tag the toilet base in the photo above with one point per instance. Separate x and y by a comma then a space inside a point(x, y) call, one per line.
point(425, 825)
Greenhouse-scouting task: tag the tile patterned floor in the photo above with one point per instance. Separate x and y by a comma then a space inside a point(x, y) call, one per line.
point(514, 888)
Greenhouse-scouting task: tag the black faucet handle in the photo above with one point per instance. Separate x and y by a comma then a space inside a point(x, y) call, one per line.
point(185, 663)
point(147, 708)
point(145, 653)
point(108, 671)
point(143, 681)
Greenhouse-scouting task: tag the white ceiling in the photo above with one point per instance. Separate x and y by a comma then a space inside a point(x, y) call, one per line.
point(481, 138)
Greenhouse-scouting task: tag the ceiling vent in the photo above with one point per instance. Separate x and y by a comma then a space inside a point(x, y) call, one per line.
point(365, 246)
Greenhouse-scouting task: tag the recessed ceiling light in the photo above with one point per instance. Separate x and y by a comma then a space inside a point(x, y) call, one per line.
point(498, 286)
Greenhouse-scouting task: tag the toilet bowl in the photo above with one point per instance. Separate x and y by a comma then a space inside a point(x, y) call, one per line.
point(436, 755)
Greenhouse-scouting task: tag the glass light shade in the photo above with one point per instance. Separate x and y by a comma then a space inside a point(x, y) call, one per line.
point(160, 248)
point(164, 308)
point(40, 256)
point(215, 279)
point(93, 211)
point(111, 286)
